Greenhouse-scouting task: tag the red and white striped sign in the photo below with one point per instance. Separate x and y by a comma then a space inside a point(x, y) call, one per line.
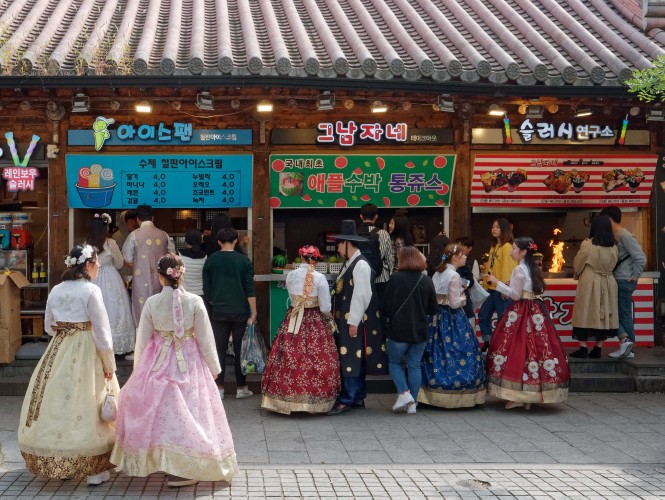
point(560, 298)
point(562, 180)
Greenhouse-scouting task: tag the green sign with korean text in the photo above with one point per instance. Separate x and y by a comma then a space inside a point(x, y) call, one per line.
point(339, 181)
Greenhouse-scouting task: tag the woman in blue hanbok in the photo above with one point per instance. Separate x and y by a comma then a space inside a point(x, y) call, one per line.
point(453, 369)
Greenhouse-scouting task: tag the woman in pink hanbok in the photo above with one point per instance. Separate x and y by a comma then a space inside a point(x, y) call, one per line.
point(170, 416)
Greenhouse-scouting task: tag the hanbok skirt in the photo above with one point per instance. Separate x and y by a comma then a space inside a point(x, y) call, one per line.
point(526, 361)
point(302, 373)
point(116, 302)
point(452, 369)
point(61, 434)
point(171, 418)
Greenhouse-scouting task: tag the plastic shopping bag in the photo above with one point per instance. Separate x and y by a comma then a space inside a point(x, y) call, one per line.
point(252, 351)
point(477, 294)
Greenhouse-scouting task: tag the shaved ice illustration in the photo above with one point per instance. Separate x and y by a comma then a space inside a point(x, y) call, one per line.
point(95, 186)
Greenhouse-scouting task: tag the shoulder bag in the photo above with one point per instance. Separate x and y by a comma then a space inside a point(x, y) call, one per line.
point(405, 300)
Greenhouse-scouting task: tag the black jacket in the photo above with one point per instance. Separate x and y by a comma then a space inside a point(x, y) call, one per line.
point(410, 324)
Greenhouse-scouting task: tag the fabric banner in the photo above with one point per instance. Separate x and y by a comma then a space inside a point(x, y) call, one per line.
point(339, 181)
point(562, 180)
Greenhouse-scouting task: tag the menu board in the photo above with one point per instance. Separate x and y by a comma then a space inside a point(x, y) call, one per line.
point(562, 180)
point(159, 180)
point(339, 181)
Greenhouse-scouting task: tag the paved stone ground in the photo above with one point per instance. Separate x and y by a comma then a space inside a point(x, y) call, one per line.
point(593, 446)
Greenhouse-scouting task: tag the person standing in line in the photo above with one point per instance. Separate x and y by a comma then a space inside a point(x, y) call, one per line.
point(469, 272)
point(114, 293)
point(436, 249)
point(526, 362)
point(400, 235)
point(407, 304)
point(170, 418)
point(595, 311)
point(142, 250)
point(228, 289)
point(127, 223)
point(627, 272)
point(302, 372)
point(500, 265)
point(359, 336)
point(61, 434)
point(453, 370)
point(193, 258)
point(369, 213)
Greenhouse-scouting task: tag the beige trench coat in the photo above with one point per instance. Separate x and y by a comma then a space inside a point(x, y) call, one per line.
point(596, 301)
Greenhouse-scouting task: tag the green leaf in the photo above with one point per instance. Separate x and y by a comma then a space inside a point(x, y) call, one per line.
point(431, 196)
point(367, 164)
point(319, 201)
point(354, 198)
point(425, 162)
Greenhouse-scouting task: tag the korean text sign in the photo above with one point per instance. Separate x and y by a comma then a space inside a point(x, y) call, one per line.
point(318, 181)
point(164, 181)
point(562, 180)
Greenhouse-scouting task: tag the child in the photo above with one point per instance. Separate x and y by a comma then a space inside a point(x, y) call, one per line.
point(526, 362)
point(453, 371)
point(302, 373)
point(170, 417)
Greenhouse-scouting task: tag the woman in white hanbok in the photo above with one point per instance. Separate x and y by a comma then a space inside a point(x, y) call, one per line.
point(61, 434)
point(114, 293)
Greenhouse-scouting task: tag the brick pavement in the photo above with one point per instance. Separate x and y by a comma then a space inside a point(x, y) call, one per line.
point(593, 446)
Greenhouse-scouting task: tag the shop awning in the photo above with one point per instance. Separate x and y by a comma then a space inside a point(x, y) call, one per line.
point(518, 42)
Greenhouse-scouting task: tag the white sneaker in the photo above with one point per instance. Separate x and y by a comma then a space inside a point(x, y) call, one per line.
point(130, 357)
point(404, 400)
point(631, 355)
point(98, 479)
point(411, 410)
point(624, 350)
point(243, 393)
point(221, 393)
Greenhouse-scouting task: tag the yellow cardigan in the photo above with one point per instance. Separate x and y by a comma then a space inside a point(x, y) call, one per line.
point(501, 264)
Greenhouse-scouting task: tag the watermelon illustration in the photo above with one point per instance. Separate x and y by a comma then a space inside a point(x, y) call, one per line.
point(291, 183)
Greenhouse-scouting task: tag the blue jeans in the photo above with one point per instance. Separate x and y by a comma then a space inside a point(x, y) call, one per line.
point(493, 303)
point(353, 389)
point(626, 322)
point(414, 354)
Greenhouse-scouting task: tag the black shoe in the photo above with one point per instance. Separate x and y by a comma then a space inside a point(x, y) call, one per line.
point(595, 353)
point(339, 409)
point(358, 404)
point(581, 353)
point(485, 346)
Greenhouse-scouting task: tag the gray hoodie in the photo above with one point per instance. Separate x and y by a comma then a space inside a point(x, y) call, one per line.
point(631, 257)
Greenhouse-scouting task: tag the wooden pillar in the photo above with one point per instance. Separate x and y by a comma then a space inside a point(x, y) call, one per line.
point(460, 198)
point(58, 246)
point(261, 224)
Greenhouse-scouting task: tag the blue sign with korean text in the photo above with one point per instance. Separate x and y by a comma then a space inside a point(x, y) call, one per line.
point(159, 180)
point(99, 135)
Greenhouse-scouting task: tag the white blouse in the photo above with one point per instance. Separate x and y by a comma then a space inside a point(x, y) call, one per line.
point(520, 281)
point(158, 315)
point(80, 301)
point(448, 283)
point(295, 284)
point(362, 288)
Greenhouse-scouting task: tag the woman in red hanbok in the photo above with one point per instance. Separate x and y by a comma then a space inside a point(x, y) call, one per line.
point(302, 373)
point(526, 362)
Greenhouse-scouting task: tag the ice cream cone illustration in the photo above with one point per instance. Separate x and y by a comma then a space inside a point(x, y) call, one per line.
point(101, 131)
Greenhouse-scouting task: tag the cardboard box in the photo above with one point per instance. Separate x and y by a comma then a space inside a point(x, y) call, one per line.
point(10, 314)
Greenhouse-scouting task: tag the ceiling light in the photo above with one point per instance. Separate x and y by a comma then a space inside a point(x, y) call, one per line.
point(348, 104)
point(495, 110)
point(25, 105)
point(80, 103)
point(552, 108)
point(326, 101)
point(656, 115)
point(378, 107)
point(205, 101)
point(264, 107)
point(583, 112)
point(535, 111)
point(176, 105)
point(522, 109)
point(445, 105)
point(143, 107)
point(634, 111)
point(115, 105)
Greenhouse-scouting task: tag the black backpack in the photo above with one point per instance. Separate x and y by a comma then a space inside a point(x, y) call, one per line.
point(371, 249)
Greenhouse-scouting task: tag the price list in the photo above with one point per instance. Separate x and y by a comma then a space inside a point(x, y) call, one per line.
point(215, 188)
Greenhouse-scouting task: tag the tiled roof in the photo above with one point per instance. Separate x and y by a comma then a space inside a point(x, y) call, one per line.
point(556, 42)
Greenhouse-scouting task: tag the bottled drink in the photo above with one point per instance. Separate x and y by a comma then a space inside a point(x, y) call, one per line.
point(42, 273)
point(35, 273)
